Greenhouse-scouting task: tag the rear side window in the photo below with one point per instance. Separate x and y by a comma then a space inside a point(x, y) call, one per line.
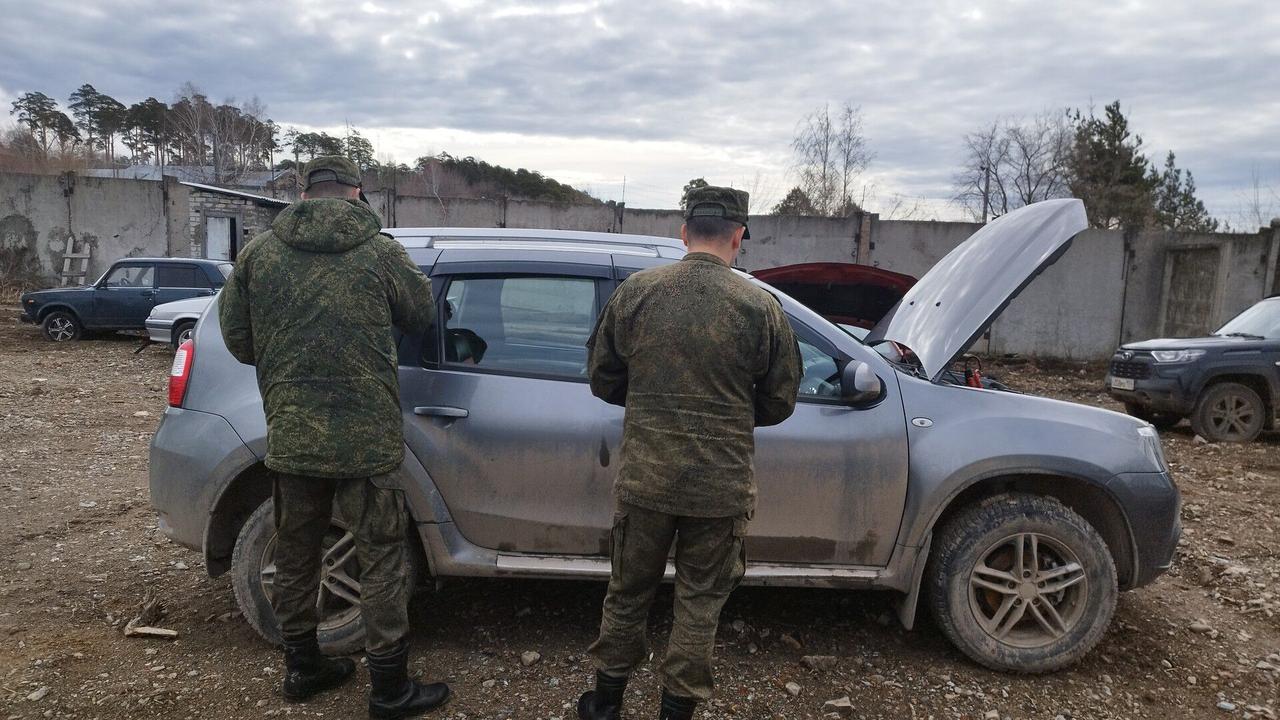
point(127, 276)
point(181, 276)
point(526, 325)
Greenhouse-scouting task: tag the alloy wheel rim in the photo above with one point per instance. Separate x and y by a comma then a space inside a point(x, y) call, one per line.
point(185, 335)
point(338, 598)
point(61, 329)
point(1028, 590)
point(1232, 416)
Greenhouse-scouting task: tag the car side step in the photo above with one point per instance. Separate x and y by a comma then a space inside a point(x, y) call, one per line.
point(589, 568)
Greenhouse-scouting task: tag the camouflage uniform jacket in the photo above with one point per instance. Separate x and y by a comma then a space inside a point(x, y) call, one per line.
point(699, 357)
point(311, 303)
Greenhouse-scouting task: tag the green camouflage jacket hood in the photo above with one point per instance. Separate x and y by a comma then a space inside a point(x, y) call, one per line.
point(326, 225)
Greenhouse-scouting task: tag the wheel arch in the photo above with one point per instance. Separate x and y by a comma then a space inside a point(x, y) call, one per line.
point(1255, 381)
point(1089, 499)
point(45, 311)
point(235, 503)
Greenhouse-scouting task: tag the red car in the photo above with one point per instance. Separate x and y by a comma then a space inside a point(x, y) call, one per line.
point(856, 296)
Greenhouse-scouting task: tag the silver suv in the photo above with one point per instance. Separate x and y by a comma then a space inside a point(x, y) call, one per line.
point(1019, 517)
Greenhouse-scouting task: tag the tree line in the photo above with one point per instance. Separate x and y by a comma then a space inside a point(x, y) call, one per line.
point(1008, 164)
point(224, 141)
point(1094, 157)
point(230, 138)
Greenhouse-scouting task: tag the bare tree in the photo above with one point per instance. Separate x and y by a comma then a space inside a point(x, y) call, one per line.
point(1259, 203)
point(831, 155)
point(1013, 162)
point(905, 207)
point(762, 194)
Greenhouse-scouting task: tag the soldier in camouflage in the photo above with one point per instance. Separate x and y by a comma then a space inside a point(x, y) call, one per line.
point(311, 303)
point(699, 357)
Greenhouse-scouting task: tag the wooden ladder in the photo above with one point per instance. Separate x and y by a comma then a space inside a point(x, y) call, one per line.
point(71, 275)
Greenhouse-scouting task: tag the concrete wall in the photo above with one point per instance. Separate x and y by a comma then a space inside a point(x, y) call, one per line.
point(50, 215)
point(1107, 289)
point(774, 240)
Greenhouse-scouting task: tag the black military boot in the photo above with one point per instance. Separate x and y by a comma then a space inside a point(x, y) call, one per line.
point(308, 672)
point(393, 695)
point(605, 702)
point(675, 707)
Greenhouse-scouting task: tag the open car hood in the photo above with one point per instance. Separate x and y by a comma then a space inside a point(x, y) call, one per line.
point(840, 292)
point(955, 302)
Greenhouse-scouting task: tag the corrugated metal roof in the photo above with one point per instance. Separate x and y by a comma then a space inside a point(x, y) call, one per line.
point(237, 193)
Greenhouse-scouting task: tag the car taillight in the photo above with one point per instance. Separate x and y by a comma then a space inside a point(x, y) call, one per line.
point(180, 372)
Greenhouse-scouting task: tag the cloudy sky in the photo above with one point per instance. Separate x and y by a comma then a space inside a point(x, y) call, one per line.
point(660, 91)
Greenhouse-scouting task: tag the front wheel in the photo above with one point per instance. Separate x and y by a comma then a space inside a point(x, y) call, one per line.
point(1021, 583)
point(253, 569)
point(61, 326)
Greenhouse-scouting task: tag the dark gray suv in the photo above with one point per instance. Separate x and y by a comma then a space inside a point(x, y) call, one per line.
point(1021, 541)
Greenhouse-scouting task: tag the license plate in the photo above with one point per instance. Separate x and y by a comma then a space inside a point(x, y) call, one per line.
point(1122, 383)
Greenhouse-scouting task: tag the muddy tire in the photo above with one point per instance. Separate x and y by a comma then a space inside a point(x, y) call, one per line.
point(1229, 412)
point(341, 629)
point(62, 326)
point(1021, 583)
point(1161, 420)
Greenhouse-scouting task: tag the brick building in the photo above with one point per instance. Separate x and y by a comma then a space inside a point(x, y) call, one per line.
point(223, 220)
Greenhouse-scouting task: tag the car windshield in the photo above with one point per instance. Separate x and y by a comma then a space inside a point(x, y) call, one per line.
point(1261, 320)
point(225, 269)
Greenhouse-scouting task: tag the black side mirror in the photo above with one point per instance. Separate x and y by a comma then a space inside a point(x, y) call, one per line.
point(859, 384)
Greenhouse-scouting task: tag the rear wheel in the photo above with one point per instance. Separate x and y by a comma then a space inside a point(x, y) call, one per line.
point(62, 326)
point(1229, 412)
point(253, 568)
point(1022, 583)
point(1162, 420)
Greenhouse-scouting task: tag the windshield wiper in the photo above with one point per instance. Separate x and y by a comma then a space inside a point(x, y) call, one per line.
point(1251, 336)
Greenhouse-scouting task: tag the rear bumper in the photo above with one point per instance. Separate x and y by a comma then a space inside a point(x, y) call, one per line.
point(1153, 506)
point(194, 456)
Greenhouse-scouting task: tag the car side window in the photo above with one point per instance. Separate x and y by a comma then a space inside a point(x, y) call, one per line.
point(131, 276)
point(819, 368)
point(182, 276)
point(535, 325)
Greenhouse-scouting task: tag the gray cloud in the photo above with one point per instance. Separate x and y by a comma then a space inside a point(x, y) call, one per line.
point(1197, 79)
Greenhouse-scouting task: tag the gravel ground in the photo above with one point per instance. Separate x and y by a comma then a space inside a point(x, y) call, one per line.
point(79, 551)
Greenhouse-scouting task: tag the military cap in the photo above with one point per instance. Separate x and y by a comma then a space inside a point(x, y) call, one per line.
point(715, 201)
point(331, 168)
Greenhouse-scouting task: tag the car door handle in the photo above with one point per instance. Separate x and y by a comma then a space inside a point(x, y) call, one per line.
point(148, 293)
point(441, 411)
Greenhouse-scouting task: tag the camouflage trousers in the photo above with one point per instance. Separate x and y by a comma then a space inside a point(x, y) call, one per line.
point(374, 512)
point(710, 561)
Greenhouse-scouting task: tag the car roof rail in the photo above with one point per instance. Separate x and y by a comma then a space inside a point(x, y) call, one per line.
point(507, 238)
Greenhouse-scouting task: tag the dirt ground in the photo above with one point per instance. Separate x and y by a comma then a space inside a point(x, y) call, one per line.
point(79, 549)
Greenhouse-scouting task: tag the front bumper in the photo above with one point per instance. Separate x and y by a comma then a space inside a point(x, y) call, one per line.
point(194, 457)
point(1163, 388)
point(1153, 506)
point(27, 318)
point(160, 331)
